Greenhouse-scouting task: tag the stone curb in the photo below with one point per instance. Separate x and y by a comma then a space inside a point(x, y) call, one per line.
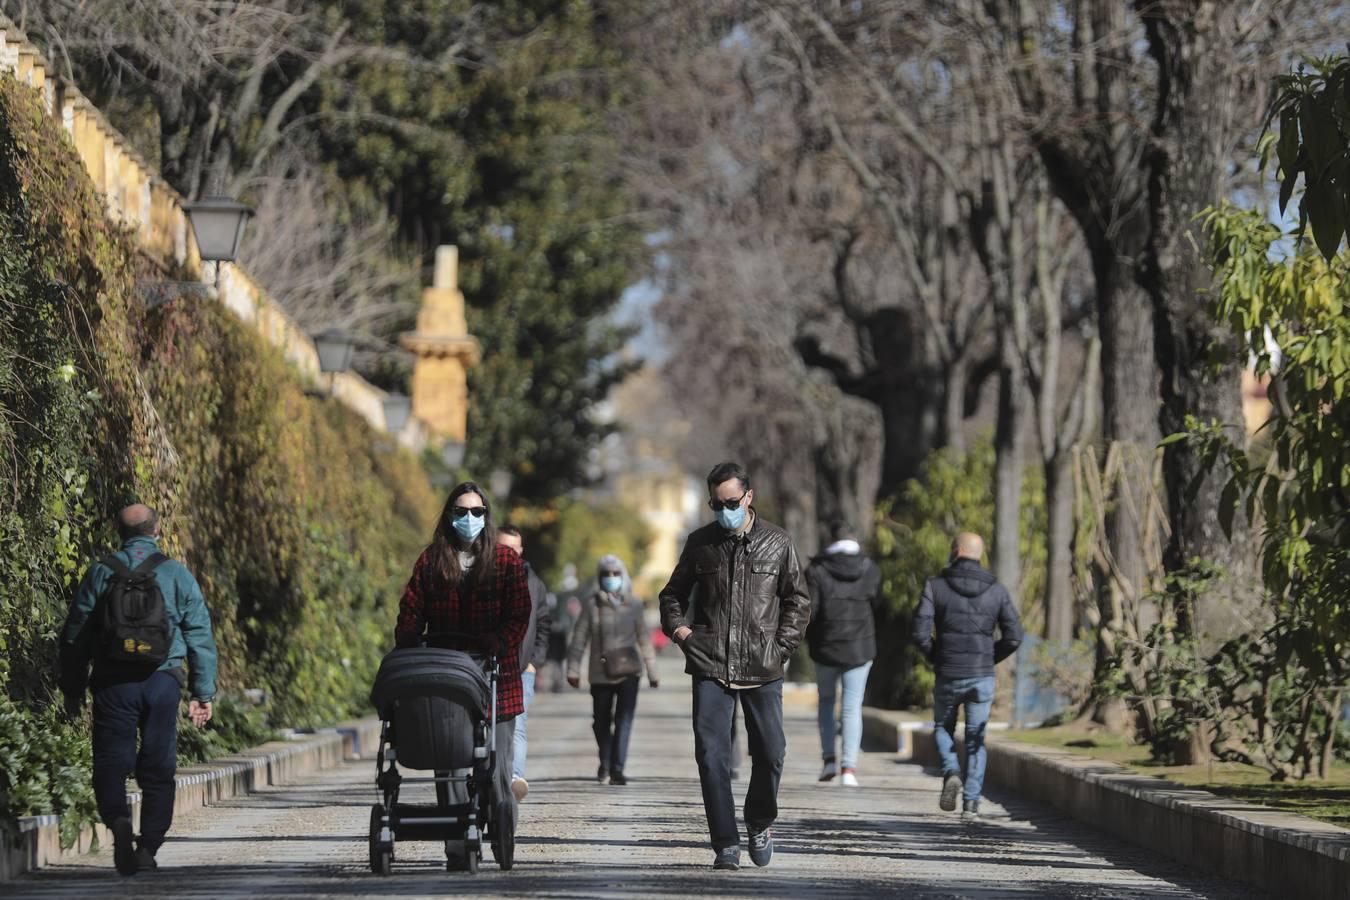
point(38, 842)
point(1284, 853)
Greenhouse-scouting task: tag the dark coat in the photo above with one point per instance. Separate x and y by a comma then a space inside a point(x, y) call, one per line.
point(845, 589)
point(956, 619)
point(743, 597)
point(534, 649)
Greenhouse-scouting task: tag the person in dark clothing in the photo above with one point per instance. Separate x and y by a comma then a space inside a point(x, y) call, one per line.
point(131, 697)
point(845, 588)
point(737, 606)
point(955, 628)
point(533, 653)
point(614, 625)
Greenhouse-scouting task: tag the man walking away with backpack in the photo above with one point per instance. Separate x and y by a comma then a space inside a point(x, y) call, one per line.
point(138, 615)
point(955, 628)
point(845, 588)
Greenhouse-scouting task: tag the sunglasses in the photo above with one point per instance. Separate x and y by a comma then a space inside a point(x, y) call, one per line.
point(715, 505)
point(460, 512)
point(611, 574)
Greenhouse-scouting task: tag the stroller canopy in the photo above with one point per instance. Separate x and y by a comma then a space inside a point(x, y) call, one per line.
point(430, 672)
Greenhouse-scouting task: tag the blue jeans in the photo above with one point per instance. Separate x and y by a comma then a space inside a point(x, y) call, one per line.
point(850, 713)
point(521, 742)
point(121, 709)
point(976, 694)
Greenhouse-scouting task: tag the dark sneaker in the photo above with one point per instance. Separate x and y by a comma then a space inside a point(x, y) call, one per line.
point(124, 847)
point(970, 811)
point(951, 789)
point(728, 858)
point(145, 858)
point(761, 847)
point(601, 774)
point(617, 777)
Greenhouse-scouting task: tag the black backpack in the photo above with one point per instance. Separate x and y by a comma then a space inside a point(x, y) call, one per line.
point(134, 626)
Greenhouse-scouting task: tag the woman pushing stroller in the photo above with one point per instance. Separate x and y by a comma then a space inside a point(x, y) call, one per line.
point(612, 624)
point(468, 593)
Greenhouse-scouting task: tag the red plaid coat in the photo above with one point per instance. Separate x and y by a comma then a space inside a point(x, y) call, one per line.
point(488, 622)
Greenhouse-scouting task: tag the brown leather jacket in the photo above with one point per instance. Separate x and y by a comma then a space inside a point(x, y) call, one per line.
point(744, 598)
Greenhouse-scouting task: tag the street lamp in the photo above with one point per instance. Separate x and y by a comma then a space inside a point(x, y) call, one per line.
point(218, 225)
point(397, 410)
point(452, 454)
point(499, 482)
point(335, 350)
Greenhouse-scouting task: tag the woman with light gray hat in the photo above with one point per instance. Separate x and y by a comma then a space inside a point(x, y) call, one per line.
point(613, 626)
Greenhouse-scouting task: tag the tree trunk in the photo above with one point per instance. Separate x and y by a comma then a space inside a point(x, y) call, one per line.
point(1059, 599)
point(1193, 131)
point(1009, 467)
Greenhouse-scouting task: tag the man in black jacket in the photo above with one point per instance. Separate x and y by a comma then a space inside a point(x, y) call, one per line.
point(533, 654)
point(737, 606)
point(845, 588)
point(955, 627)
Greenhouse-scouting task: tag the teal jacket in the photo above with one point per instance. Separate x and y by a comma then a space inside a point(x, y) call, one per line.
point(183, 602)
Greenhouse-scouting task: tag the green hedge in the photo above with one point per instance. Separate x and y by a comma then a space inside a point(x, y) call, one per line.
point(298, 520)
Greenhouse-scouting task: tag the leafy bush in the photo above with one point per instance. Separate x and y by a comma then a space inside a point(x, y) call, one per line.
point(45, 764)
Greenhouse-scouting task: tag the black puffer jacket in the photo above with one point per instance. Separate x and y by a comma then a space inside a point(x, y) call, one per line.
point(744, 599)
point(845, 589)
point(956, 619)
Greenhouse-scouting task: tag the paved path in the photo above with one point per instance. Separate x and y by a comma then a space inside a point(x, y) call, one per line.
point(580, 839)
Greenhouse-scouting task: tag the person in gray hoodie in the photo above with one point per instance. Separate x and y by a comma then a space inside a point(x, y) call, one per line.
point(955, 627)
point(612, 624)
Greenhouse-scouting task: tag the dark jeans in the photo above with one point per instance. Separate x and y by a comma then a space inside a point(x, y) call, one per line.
point(613, 706)
point(120, 710)
point(714, 709)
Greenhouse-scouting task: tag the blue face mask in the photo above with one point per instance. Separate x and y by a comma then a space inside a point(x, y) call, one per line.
point(731, 519)
point(612, 584)
point(469, 527)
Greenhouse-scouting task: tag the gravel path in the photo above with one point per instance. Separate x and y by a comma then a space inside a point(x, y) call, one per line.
point(581, 839)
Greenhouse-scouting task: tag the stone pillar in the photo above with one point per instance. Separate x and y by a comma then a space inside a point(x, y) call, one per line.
point(445, 350)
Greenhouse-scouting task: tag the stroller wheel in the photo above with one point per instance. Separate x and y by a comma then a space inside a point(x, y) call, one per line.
point(381, 857)
point(504, 835)
point(471, 862)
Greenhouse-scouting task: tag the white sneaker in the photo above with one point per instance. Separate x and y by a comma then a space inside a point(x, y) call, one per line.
point(828, 771)
point(849, 779)
point(519, 787)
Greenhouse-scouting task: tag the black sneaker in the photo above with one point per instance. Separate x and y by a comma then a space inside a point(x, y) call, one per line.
point(951, 789)
point(124, 848)
point(617, 777)
point(970, 811)
point(728, 858)
point(761, 847)
point(601, 774)
point(145, 858)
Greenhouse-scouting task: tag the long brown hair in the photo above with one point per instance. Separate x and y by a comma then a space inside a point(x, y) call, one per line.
point(445, 549)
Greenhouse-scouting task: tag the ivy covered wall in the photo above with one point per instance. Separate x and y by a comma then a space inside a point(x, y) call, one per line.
point(299, 521)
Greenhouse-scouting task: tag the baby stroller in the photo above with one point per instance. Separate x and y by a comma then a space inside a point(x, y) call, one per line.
point(439, 712)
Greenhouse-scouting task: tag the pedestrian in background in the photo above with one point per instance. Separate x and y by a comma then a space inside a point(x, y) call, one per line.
point(137, 616)
point(955, 627)
point(737, 606)
point(845, 589)
point(612, 623)
point(533, 653)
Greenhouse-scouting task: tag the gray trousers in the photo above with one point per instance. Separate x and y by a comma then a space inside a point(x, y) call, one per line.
point(501, 776)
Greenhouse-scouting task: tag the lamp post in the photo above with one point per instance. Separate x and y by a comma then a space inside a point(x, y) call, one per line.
point(397, 410)
point(499, 482)
point(218, 225)
point(334, 347)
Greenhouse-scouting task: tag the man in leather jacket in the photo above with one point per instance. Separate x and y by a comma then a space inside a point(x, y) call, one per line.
point(737, 606)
